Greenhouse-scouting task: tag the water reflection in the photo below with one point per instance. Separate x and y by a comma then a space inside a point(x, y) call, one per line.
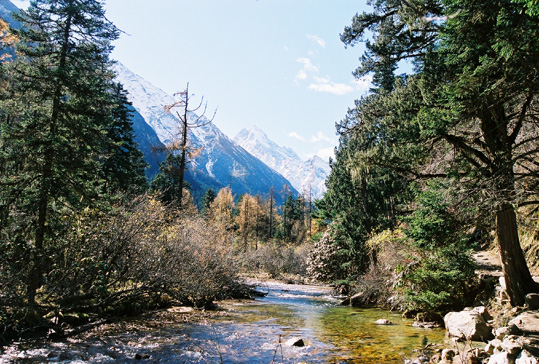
point(248, 332)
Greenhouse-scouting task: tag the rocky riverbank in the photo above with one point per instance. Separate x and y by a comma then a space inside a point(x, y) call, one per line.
point(516, 342)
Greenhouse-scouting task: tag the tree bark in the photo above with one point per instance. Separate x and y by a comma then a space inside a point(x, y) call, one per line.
point(518, 279)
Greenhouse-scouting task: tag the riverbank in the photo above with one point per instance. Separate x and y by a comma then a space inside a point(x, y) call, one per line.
point(243, 331)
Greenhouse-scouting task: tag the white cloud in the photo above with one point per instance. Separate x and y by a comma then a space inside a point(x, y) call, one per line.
point(308, 67)
point(307, 64)
point(324, 84)
point(364, 83)
point(317, 39)
point(326, 153)
point(320, 137)
point(301, 75)
point(295, 135)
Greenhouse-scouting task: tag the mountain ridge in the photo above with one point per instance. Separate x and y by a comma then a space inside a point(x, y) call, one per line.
point(308, 176)
point(221, 161)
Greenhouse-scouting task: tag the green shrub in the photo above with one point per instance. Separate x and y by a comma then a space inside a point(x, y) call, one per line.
point(440, 268)
point(437, 280)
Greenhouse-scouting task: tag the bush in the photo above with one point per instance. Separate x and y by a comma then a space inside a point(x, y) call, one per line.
point(437, 280)
point(138, 256)
point(275, 259)
point(326, 262)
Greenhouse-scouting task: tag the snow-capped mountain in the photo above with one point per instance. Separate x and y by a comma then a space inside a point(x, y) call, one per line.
point(306, 176)
point(221, 162)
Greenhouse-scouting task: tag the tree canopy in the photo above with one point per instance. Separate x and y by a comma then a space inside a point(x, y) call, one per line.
point(468, 112)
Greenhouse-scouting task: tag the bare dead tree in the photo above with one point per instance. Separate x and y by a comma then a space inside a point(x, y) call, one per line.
point(188, 120)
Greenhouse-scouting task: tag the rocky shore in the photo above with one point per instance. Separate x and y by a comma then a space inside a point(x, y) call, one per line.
point(516, 342)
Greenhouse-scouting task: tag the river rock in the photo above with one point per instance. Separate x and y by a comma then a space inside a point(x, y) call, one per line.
point(383, 322)
point(512, 345)
point(482, 310)
point(467, 325)
point(448, 355)
point(493, 346)
point(142, 356)
point(295, 341)
point(525, 357)
point(362, 299)
point(426, 325)
point(532, 300)
point(531, 344)
point(502, 332)
point(429, 316)
point(527, 322)
point(501, 358)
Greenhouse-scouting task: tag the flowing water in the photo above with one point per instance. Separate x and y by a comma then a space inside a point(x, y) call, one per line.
point(246, 332)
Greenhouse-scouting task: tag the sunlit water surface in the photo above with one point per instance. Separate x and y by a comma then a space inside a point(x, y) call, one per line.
point(248, 332)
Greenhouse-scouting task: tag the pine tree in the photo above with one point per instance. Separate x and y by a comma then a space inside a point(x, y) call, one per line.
point(207, 199)
point(467, 113)
point(54, 126)
point(123, 164)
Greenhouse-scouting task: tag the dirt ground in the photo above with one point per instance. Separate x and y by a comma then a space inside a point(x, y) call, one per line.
point(489, 263)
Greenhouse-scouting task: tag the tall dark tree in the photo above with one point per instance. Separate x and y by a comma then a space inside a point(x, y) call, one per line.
point(53, 126)
point(469, 111)
point(359, 202)
point(207, 200)
point(123, 163)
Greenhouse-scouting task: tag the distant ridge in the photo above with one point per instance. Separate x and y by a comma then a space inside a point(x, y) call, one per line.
point(307, 177)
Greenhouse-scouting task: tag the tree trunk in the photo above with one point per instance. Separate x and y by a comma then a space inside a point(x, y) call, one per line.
point(518, 279)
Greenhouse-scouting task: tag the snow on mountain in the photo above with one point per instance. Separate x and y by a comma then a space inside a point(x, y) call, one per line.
point(305, 176)
point(221, 162)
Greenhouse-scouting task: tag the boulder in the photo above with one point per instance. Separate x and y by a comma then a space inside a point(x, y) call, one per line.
point(527, 322)
point(525, 357)
point(532, 301)
point(362, 299)
point(426, 325)
point(493, 346)
point(512, 345)
point(467, 325)
point(295, 341)
point(502, 332)
point(430, 316)
point(482, 310)
point(501, 358)
point(383, 322)
point(448, 355)
point(531, 344)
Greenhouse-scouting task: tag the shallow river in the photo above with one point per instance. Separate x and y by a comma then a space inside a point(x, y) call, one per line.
point(246, 332)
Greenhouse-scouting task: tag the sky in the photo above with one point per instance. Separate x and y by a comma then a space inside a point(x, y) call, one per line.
point(275, 64)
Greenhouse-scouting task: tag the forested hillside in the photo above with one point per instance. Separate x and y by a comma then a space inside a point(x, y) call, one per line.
point(442, 159)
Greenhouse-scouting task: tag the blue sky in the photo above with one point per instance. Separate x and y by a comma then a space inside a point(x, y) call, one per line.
point(276, 64)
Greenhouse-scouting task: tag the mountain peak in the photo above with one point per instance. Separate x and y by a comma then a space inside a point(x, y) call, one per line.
point(303, 175)
point(220, 162)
